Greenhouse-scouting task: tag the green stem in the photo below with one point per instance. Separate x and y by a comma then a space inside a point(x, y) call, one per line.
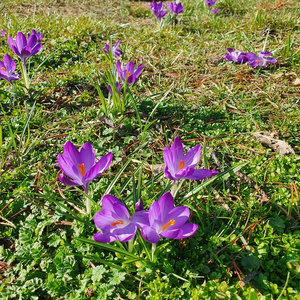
point(130, 245)
point(174, 188)
point(153, 250)
point(25, 76)
point(88, 205)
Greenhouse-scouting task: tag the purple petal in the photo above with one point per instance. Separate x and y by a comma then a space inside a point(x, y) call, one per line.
point(131, 79)
point(10, 65)
point(36, 49)
point(67, 181)
point(98, 168)
point(154, 213)
point(126, 233)
point(119, 70)
point(168, 174)
point(104, 218)
point(140, 218)
point(32, 41)
point(169, 161)
point(177, 151)
point(179, 214)
point(109, 201)
point(138, 71)
point(171, 234)
point(184, 173)
point(187, 230)
point(87, 156)
point(71, 152)
point(69, 168)
point(166, 204)
point(192, 157)
point(21, 41)
point(129, 68)
point(271, 60)
point(200, 174)
point(105, 237)
point(150, 235)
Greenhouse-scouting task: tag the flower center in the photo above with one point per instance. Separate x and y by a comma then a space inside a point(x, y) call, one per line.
point(82, 169)
point(257, 60)
point(3, 69)
point(181, 164)
point(170, 223)
point(117, 223)
point(127, 73)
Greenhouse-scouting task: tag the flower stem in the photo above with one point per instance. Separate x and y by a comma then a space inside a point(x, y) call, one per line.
point(174, 188)
point(88, 205)
point(25, 76)
point(130, 245)
point(153, 250)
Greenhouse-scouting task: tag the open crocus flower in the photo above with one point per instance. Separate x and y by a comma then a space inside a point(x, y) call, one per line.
point(157, 10)
point(261, 59)
point(179, 166)
point(215, 11)
point(115, 50)
point(80, 165)
point(210, 3)
point(165, 220)
point(7, 68)
point(175, 8)
point(114, 221)
point(24, 48)
point(38, 35)
point(129, 74)
point(235, 56)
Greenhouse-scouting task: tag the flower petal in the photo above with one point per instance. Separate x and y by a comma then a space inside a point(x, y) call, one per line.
point(86, 156)
point(72, 153)
point(177, 152)
point(166, 204)
point(154, 213)
point(109, 201)
point(187, 230)
point(140, 218)
point(150, 235)
point(179, 214)
point(67, 181)
point(104, 218)
point(105, 237)
point(192, 157)
point(200, 174)
point(69, 168)
point(126, 233)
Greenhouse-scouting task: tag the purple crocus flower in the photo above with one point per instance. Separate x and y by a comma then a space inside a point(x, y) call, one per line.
point(235, 56)
point(24, 48)
point(157, 10)
point(179, 166)
point(215, 11)
point(117, 86)
point(165, 220)
point(129, 74)
point(261, 59)
point(115, 51)
point(115, 222)
point(80, 165)
point(139, 206)
point(210, 3)
point(38, 35)
point(7, 68)
point(175, 8)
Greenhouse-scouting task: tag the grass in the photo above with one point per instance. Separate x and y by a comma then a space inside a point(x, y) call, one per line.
point(248, 242)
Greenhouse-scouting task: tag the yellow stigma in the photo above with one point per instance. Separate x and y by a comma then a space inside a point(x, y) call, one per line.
point(170, 223)
point(3, 69)
point(257, 60)
point(127, 73)
point(181, 164)
point(82, 169)
point(116, 223)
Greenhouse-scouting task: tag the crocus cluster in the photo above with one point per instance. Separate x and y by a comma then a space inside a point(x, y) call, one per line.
point(162, 220)
point(211, 3)
point(159, 12)
point(115, 50)
point(251, 58)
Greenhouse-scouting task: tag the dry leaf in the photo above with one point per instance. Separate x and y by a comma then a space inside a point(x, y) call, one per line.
point(296, 81)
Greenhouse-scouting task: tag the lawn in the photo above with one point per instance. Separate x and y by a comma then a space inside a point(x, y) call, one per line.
point(237, 232)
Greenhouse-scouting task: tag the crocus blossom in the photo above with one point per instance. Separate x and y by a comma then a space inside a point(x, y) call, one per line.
point(24, 48)
point(129, 74)
point(261, 59)
point(179, 166)
point(115, 50)
point(80, 166)
point(175, 8)
point(215, 11)
point(117, 86)
point(115, 222)
point(157, 10)
point(165, 220)
point(38, 35)
point(210, 3)
point(7, 68)
point(235, 56)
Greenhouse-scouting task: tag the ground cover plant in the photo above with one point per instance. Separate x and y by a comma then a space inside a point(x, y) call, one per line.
point(149, 150)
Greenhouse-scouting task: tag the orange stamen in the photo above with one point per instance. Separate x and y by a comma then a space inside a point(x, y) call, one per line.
point(82, 169)
point(257, 60)
point(170, 223)
point(116, 223)
point(181, 164)
point(127, 73)
point(3, 69)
